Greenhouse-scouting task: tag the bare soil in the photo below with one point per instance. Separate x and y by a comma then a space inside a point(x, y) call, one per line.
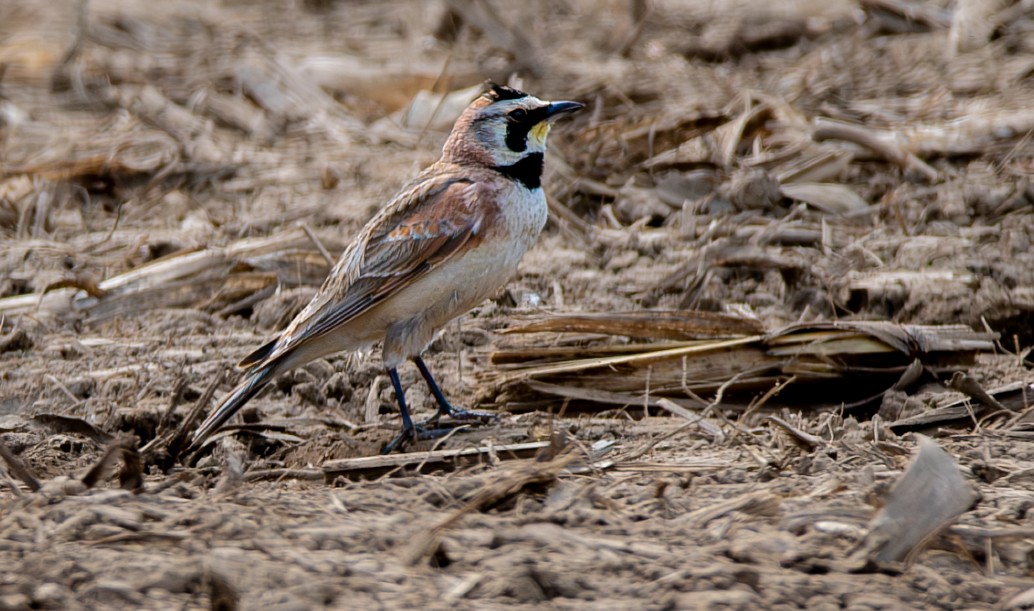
point(789, 162)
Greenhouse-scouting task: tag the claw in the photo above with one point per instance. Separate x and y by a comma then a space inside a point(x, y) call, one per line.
point(399, 442)
point(417, 433)
point(459, 414)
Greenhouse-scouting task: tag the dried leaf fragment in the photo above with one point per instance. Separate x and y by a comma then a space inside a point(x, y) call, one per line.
point(930, 494)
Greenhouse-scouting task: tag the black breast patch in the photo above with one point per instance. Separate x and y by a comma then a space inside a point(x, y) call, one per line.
point(527, 171)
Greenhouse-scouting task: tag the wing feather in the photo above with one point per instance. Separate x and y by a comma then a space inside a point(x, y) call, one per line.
point(397, 247)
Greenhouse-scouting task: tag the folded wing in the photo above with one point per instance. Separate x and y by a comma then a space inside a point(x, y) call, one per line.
point(401, 245)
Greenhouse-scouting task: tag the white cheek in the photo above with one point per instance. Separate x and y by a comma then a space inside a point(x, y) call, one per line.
point(504, 156)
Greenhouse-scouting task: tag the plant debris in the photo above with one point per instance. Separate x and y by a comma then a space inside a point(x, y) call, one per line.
point(784, 238)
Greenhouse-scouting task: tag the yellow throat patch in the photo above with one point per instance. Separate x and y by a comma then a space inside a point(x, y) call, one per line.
point(539, 133)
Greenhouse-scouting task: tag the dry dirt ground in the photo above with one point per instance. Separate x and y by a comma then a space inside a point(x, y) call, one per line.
point(171, 171)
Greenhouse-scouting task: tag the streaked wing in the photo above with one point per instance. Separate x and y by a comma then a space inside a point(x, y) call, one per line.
point(400, 245)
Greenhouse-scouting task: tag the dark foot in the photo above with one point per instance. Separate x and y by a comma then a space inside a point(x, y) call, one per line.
point(460, 414)
point(444, 407)
point(417, 433)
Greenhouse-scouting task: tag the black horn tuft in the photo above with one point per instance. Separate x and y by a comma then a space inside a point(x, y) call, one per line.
point(497, 92)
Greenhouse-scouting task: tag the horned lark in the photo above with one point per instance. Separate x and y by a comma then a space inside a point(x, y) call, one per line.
point(450, 239)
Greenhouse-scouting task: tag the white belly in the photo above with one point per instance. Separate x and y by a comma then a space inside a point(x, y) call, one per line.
point(416, 313)
point(475, 275)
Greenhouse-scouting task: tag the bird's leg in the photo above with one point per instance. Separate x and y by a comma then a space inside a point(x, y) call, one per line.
point(444, 407)
point(412, 432)
point(409, 431)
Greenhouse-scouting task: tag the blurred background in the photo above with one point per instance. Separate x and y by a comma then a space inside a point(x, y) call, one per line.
point(786, 191)
point(831, 130)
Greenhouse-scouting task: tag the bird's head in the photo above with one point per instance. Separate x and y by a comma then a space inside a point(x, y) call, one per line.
point(504, 126)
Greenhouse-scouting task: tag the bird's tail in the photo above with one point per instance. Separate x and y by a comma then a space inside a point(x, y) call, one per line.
point(254, 381)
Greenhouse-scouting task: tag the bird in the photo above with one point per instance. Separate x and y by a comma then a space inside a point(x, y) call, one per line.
point(448, 240)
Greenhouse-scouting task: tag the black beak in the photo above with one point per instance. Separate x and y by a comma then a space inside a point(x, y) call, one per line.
point(562, 108)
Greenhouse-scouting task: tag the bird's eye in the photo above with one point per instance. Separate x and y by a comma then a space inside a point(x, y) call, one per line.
point(518, 114)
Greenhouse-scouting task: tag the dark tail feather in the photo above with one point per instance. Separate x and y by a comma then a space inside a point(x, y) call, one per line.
point(259, 355)
point(251, 385)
